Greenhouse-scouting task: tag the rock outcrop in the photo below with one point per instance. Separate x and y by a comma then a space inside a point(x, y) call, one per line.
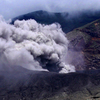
point(86, 40)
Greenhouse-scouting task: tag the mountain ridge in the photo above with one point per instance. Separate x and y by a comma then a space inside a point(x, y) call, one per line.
point(86, 39)
point(67, 21)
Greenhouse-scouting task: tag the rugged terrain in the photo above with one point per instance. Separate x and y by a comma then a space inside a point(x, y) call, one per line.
point(29, 85)
point(86, 41)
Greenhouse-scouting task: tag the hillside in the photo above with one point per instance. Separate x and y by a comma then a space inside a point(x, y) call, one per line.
point(86, 39)
point(67, 21)
point(29, 85)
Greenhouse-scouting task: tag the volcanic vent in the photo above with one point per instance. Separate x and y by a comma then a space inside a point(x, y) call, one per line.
point(33, 46)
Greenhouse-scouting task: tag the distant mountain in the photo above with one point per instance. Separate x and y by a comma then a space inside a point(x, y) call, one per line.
point(67, 21)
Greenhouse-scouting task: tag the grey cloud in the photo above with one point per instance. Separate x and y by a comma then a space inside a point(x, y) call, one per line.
point(13, 8)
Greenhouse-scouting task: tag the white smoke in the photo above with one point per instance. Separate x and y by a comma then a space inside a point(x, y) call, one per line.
point(33, 46)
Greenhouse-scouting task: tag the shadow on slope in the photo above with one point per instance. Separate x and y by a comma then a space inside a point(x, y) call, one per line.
point(30, 85)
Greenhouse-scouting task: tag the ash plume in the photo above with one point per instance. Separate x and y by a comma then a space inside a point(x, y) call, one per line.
point(33, 46)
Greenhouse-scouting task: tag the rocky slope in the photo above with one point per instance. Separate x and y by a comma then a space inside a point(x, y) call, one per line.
point(86, 40)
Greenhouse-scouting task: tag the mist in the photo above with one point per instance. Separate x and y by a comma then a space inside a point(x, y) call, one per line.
point(12, 8)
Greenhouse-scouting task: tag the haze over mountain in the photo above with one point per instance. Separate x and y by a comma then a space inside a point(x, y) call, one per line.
point(12, 8)
point(67, 21)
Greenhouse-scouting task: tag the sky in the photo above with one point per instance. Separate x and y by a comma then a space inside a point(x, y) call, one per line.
point(13, 8)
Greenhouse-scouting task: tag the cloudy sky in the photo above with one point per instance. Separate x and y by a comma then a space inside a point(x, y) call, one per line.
point(13, 8)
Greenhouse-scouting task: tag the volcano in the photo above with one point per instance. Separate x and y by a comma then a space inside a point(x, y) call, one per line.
point(30, 85)
point(83, 47)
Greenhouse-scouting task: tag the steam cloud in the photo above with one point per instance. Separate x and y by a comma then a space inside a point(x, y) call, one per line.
point(33, 46)
point(13, 8)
